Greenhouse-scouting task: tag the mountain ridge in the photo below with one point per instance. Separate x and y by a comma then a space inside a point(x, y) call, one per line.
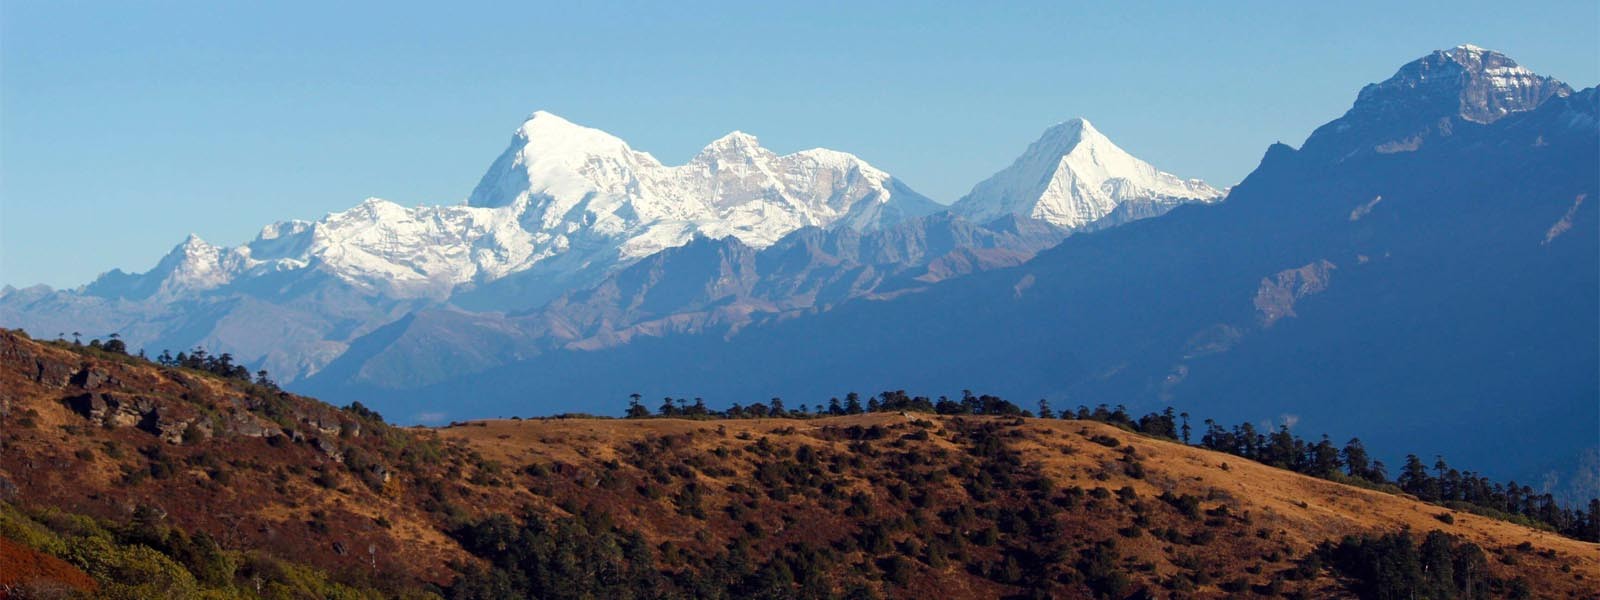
point(705, 287)
point(560, 210)
point(1420, 287)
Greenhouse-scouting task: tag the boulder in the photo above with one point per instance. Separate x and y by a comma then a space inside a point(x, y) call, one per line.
point(93, 378)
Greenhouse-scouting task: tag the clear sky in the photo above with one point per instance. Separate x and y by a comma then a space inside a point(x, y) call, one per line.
point(125, 126)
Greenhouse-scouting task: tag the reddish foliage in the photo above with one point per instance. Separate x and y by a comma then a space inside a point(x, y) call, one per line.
point(23, 568)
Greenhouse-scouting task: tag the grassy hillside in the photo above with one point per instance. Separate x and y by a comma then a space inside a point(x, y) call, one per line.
point(1014, 504)
point(119, 477)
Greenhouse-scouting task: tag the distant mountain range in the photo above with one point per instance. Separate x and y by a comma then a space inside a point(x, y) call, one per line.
point(524, 265)
point(1424, 270)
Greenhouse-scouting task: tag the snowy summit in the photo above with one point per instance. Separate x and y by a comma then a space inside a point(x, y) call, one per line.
point(1074, 177)
point(570, 182)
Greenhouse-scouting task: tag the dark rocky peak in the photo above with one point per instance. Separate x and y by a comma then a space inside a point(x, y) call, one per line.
point(1476, 84)
point(1428, 96)
point(1479, 85)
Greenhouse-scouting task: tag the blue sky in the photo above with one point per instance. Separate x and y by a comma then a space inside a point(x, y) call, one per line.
point(125, 126)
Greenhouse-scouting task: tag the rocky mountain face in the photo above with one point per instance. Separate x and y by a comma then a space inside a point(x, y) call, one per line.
point(112, 395)
point(1428, 97)
point(1075, 178)
point(1439, 299)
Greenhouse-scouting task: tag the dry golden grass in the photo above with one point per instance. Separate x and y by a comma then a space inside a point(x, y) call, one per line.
point(1296, 511)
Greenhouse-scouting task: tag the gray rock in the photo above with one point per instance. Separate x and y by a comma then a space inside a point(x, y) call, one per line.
point(327, 448)
point(93, 378)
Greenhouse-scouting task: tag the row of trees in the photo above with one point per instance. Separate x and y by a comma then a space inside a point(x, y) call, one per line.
point(113, 343)
point(199, 359)
point(1352, 464)
point(222, 365)
point(1451, 487)
point(896, 401)
point(1285, 450)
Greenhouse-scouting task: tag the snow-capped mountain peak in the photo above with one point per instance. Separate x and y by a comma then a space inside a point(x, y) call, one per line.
point(571, 182)
point(545, 133)
point(735, 148)
point(734, 140)
point(552, 157)
point(1066, 135)
point(192, 266)
point(567, 201)
point(1073, 176)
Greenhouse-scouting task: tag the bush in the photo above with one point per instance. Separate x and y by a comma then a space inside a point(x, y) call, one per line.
point(131, 572)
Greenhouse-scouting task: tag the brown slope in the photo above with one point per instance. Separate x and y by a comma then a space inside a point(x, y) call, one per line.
point(103, 435)
point(1277, 516)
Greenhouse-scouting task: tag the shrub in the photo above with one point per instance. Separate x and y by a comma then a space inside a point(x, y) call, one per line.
point(131, 571)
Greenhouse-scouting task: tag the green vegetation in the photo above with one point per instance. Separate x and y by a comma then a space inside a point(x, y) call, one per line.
point(221, 365)
point(1397, 567)
point(147, 558)
point(896, 401)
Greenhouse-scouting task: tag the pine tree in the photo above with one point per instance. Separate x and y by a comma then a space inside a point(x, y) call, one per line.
point(1438, 562)
point(1414, 479)
point(1356, 461)
point(636, 410)
point(1324, 459)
